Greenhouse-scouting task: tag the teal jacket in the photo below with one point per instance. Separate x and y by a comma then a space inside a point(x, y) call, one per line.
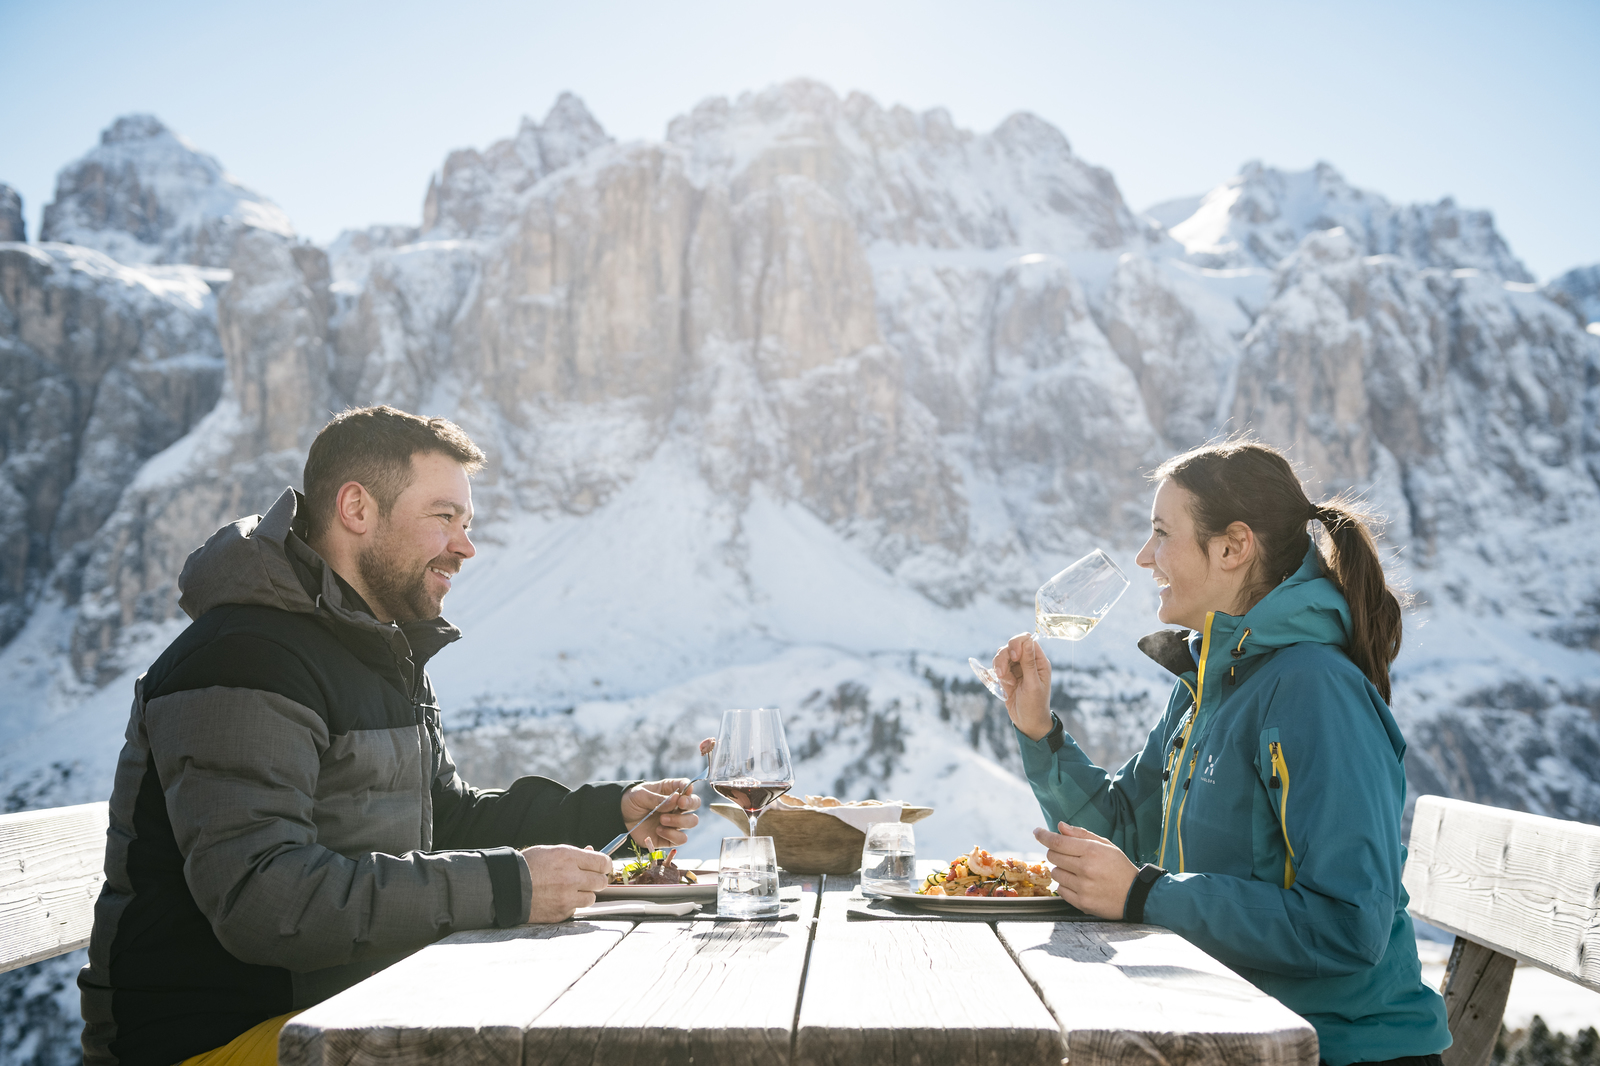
point(1276, 807)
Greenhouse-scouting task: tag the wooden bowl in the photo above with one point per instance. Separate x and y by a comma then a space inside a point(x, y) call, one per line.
point(808, 841)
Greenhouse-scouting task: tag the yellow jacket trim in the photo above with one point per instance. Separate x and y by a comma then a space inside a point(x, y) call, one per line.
point(1280, 767)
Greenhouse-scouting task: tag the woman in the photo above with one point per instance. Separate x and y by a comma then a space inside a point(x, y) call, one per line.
point(1266, 804)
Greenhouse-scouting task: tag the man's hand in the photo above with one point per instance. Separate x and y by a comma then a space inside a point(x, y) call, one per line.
point(666, 827)
point(1024, 671)
point(1093, 873)
point(564, 879)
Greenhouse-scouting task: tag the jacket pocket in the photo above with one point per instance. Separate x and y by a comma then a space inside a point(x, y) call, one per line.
point(1278, 788)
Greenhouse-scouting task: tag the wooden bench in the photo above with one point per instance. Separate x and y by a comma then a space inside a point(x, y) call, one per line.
point(1513, 888)
point(51, 868)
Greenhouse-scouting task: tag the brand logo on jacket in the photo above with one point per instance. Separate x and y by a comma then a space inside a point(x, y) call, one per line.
point(1209, 776)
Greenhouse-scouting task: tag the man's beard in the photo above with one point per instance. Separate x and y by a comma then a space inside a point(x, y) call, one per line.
point(396, 588)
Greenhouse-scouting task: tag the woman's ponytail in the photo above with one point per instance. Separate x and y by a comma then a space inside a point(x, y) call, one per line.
point(1352, 558)
point(1246, 481)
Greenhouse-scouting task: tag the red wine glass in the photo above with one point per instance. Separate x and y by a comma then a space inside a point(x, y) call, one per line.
point(750, 764)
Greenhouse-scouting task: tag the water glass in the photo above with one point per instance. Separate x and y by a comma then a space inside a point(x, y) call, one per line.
point(747, 879)
point(888, 858)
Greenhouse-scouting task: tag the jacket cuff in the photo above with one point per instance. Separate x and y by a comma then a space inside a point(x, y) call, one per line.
point(512, 886)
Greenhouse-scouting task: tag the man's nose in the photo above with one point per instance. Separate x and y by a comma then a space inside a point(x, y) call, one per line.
point(462, 545)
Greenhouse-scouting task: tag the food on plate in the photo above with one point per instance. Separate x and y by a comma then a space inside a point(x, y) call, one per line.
point(654, 868)
point(978, 873)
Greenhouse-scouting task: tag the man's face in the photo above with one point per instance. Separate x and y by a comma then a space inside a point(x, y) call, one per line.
point(414, 553)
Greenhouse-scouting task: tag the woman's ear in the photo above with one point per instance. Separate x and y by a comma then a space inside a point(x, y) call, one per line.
point(1236, 546)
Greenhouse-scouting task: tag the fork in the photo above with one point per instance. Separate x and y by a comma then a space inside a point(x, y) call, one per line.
point(668, 798)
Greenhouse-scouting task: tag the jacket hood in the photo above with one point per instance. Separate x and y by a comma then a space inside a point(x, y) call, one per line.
point(263, 560)
point(248, 562)
point(1306, 607)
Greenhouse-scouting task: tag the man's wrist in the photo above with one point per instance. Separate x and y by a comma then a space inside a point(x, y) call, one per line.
point(1139, 891)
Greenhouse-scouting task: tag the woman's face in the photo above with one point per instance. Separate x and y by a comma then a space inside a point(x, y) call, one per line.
point(1190, 583)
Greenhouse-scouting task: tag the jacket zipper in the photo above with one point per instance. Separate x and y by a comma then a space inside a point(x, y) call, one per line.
point(1280, 782)
point(1183, 745)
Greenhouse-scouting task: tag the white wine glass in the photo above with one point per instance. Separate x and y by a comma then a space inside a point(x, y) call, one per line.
point(750, 764)
point(1067, 607)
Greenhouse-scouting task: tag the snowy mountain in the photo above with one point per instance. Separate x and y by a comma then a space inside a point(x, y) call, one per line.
point(1261, 215)
point(144, 195)
point(796, 407)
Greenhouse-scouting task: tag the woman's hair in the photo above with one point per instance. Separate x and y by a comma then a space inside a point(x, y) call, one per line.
point(1246, 481)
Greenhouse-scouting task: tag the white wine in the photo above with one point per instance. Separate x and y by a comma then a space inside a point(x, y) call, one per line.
point(1067, 626)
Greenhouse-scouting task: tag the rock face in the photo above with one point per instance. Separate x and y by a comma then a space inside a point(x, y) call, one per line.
point(103, 366)
point(143, 195)
point(815, 373)
point(794, 408)
point(12, 227)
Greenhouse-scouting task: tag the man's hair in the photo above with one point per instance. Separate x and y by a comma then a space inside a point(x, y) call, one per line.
point(374, 446)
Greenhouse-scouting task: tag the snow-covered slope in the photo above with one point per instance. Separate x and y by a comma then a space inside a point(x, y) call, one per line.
point(799, 404)
point(145, 195)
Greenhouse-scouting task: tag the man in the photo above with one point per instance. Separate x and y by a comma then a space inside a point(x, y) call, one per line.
point(285, 819)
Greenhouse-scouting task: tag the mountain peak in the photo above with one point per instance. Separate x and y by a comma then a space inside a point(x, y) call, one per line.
point(144, 195)
point(475, 193)
point(12, 228)
point(135, 127)
point(1260, 215)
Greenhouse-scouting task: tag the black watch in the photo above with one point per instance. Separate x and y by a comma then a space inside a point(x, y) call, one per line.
point(1057, 737)
point(1139, 891)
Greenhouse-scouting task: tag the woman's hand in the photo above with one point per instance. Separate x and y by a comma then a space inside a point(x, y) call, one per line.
point(1093, 873)
point(1024, 670)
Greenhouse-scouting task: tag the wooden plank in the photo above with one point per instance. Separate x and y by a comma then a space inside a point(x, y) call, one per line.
point(1476, 984)
point(52, 863)
point(927, 993)
point(836, 892)
point(1138, 994)
point(1526, 886)
point(701, 992)
point(465, 1000)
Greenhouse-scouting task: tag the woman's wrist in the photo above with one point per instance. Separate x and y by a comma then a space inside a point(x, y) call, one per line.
point(1037, 728)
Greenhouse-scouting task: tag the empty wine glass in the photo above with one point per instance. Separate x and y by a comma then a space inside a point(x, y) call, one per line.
point(1067, 607)
point(750, 764)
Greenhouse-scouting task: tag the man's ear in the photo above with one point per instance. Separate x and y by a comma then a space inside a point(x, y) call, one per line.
point(1236, 546)
point(355, 508)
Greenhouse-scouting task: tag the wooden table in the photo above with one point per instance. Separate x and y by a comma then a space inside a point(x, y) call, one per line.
point(821, 990)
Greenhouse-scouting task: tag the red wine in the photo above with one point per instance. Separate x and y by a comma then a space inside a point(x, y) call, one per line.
point(754, 798)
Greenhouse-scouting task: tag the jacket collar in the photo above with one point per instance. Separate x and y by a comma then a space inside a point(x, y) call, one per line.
point(264, 559)
point(1306, 607)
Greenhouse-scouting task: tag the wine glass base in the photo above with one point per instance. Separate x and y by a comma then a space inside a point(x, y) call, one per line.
point(989, 679)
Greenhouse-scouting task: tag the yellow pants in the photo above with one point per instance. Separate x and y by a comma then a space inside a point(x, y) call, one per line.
point(256, 1046)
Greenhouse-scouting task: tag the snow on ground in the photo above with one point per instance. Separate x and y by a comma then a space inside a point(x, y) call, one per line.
point(1565, 1006)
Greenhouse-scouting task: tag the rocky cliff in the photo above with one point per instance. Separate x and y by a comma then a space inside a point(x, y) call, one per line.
point(796, 407)
point(799, 404)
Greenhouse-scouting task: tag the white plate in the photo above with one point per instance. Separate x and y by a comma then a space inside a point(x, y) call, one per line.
point(706, 889)
point(981, 904)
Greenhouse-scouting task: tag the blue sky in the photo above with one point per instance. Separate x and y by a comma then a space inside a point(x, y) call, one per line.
point(340, 111)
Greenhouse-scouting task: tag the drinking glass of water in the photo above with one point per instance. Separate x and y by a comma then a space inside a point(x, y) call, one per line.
point(1067, 607)
point(888, 858)
point(747, 878)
